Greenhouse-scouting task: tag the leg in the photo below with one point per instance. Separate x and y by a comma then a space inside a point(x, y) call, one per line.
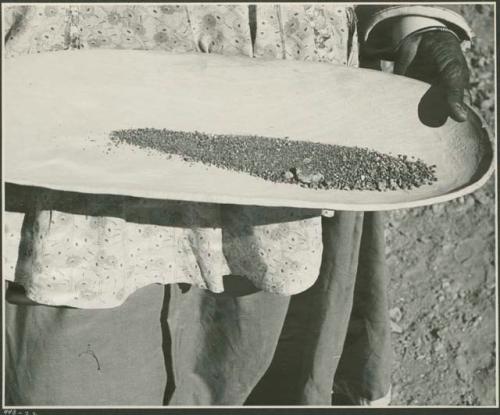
point(221, 344)
point(314, 332)
point(62, 356)
point(364, 372)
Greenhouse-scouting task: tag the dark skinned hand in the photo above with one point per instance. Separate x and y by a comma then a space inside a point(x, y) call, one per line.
point(436, 58)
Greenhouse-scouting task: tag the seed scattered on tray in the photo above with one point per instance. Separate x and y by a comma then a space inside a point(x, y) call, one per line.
point(281, 160)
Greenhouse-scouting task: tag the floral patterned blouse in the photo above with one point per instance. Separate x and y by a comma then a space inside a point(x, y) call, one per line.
point(97, 257)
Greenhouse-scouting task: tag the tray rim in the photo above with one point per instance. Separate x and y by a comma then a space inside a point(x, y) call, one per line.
point(483, 129)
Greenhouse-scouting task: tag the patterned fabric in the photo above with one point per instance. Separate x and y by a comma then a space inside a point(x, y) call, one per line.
point(318, 32)
point(94, 259)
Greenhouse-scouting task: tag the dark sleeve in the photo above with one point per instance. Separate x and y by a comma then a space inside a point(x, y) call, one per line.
point(375, 21)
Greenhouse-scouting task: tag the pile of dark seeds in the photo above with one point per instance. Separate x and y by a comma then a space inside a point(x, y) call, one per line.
point(313, 165)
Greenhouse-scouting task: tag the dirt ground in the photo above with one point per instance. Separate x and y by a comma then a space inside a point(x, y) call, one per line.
point(441, 261)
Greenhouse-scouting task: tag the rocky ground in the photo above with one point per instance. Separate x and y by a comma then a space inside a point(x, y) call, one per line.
point(441, 260)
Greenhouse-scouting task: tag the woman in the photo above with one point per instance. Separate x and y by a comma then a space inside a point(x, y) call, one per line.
point(233, 329)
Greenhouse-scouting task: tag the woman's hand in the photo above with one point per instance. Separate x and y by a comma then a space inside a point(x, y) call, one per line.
point(436, 57)
point(16, 294)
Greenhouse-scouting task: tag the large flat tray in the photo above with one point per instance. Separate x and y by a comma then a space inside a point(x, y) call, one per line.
point(59, 109)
